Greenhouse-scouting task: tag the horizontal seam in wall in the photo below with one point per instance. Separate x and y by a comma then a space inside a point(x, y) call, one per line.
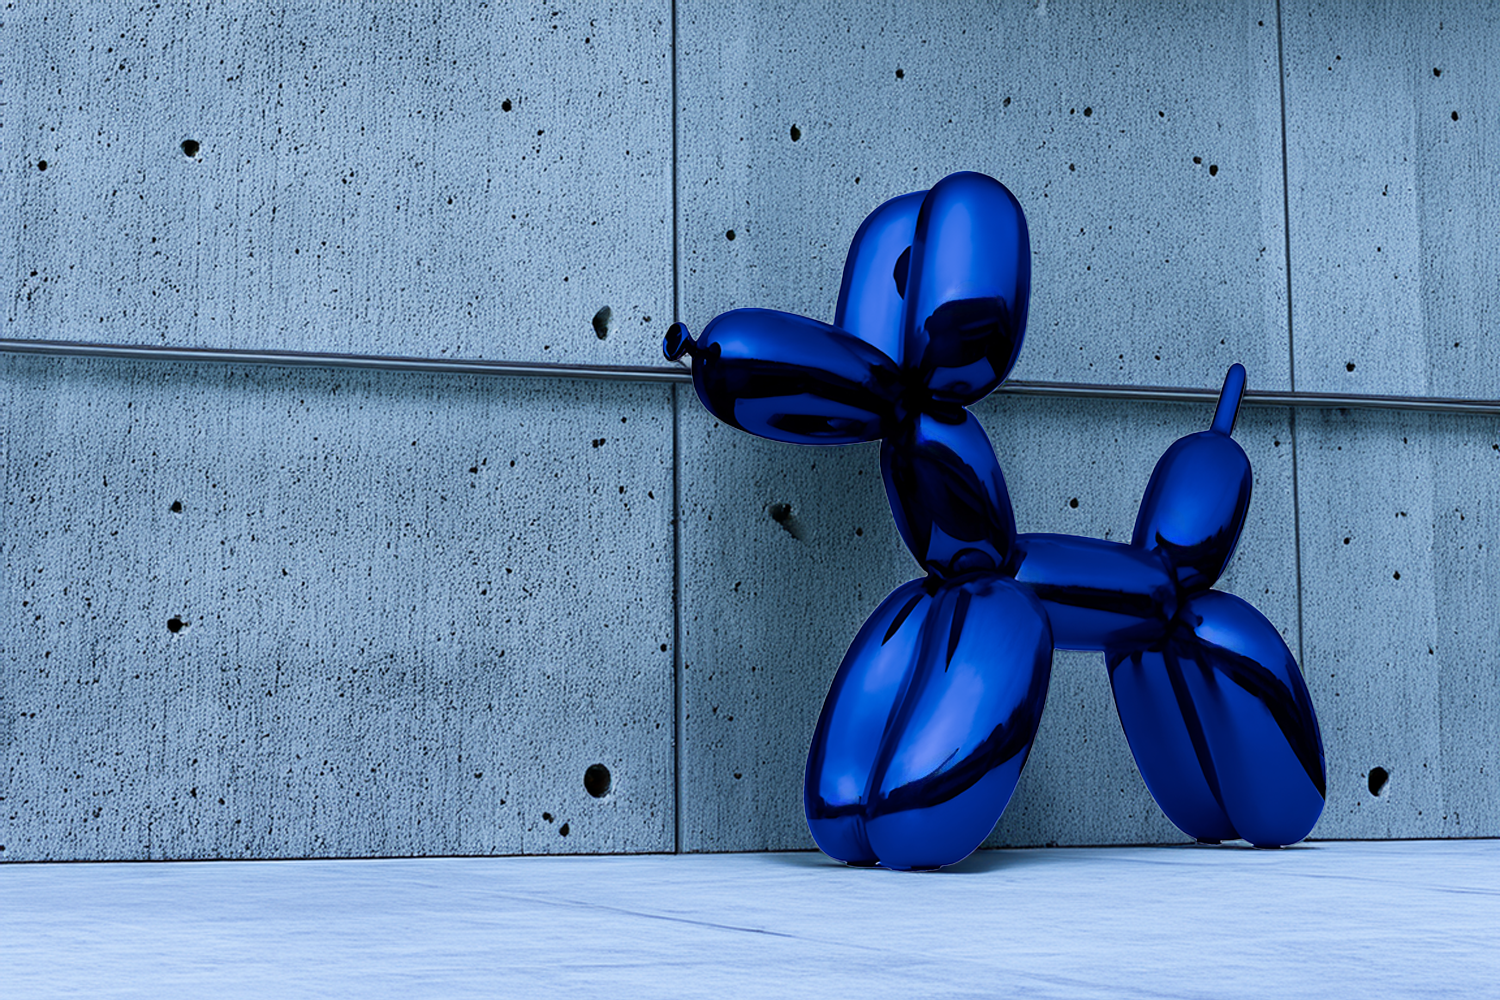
point(677, 374)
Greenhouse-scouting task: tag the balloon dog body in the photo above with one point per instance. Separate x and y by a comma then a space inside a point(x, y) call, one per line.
point(932, 713)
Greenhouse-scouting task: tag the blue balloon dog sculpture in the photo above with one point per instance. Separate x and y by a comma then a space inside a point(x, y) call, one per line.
point(932, 713)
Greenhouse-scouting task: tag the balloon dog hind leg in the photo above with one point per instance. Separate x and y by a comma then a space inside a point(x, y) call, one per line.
point(1218, 716)
point(1215, 710)
point(1221, 726)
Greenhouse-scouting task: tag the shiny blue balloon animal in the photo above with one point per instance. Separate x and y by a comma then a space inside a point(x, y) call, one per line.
point(932, 713)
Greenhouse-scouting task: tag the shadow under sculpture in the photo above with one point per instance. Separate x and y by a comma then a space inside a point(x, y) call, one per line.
point(932, 713)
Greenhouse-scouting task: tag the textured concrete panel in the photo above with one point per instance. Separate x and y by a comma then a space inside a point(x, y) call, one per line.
point(1393, 132)
point(1400, 525)
point(769, 607)
point(259, 613)
point(1143, 141)
point(369, 177)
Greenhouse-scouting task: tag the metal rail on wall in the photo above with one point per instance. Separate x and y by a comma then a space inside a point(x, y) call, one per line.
point(677, 373)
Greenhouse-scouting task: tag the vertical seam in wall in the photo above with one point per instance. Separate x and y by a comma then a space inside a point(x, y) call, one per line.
point(1291, 350)
point(676, 630)
point(1286, 204)
point(676, 491)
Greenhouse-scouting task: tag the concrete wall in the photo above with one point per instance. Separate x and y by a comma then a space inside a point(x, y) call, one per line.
point(261, 613)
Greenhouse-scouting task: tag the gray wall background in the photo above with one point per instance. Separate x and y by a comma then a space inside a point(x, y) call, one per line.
point(411, 610)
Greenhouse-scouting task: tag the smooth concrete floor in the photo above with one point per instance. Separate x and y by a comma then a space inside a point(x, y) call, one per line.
point(1322, 920)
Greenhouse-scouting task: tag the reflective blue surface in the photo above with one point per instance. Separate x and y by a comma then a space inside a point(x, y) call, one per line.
point(947, 493)
point(1097, 593)
point(792, 379)
point(870, 304)
point(928, 722)
point(933, 710)
point(968, 289)
point(1221, 725)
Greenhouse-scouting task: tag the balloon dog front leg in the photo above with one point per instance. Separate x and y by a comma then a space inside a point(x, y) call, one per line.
point(932, 713)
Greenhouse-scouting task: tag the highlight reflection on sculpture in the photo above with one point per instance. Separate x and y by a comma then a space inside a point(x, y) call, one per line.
point(932, 713)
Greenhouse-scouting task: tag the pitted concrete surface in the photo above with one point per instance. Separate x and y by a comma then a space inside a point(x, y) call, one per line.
point(345, 176)
point(254, 613)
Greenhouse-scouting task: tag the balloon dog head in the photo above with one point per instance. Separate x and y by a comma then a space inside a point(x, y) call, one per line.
point(931, 315)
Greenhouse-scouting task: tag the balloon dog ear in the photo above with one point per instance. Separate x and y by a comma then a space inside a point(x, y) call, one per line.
point(871, 304)
point(968, 288)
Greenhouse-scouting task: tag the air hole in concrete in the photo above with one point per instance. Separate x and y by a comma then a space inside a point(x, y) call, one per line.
point(505, 105)
point(175, 625)
point(597, 780)
point(729, 235)
point(42, 164)
point(796, 133)
point(1349, 367)
point(1436, 71)
point(177, 506)
point(1073, 503)
point(1378, 778)
point(901, 74)
point(604, 322)
point(781, 513)
point(547, 817)
point(1455, 118)
point(1213, 170)
point(1088, 112)
point(563, 829)
point(1197, 159)
point(190, 148)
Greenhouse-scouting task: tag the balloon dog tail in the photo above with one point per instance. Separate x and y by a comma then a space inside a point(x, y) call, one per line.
point(1229, 400)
